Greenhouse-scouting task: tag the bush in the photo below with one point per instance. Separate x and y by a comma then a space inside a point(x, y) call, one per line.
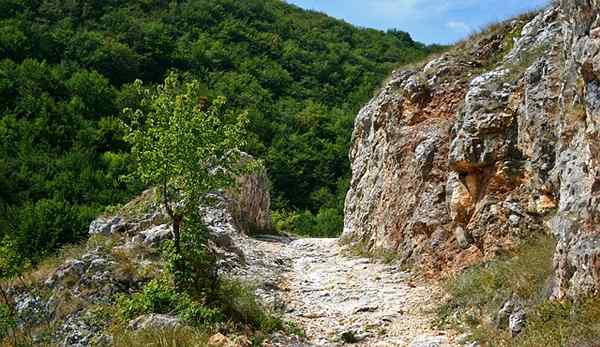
point(329, 222)
point(7, 321)
point(194, 269)
point(158, 296)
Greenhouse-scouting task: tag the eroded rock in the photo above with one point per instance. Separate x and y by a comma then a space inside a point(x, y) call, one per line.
point(484, 157)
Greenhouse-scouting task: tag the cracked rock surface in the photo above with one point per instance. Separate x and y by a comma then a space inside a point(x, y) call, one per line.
point(335, 297)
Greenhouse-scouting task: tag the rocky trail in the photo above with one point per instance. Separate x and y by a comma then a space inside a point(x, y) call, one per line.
point(338, 298)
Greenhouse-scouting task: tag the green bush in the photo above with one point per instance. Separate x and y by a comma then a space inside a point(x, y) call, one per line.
point(194, 269)
point(7, 321)
point(329, 222)
point(159, 296)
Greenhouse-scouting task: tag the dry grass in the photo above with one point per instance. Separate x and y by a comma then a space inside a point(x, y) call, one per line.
point(175, 337)
point(140, 205)
point(477, 294)
point(43, 270)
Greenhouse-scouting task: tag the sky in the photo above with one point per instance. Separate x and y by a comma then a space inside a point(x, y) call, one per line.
point(427, 21)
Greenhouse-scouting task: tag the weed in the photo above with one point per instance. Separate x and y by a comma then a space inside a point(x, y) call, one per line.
point(238, 302)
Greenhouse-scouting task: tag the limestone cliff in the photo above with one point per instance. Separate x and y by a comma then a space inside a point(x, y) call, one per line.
point(489, 143)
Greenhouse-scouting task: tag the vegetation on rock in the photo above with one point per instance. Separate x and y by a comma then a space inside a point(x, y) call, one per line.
point(477, 295)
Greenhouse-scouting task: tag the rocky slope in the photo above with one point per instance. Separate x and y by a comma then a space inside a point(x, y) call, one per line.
point(66, 301)
point(489, 143)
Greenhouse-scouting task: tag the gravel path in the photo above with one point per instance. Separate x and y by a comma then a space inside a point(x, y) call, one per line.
point(336, 297)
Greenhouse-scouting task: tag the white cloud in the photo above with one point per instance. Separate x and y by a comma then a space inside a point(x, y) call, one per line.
point(458, 26)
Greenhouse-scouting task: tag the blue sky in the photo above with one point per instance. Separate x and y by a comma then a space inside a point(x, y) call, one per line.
point(428, 21)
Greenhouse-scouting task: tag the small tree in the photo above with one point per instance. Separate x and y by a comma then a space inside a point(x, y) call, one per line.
point(183, 146)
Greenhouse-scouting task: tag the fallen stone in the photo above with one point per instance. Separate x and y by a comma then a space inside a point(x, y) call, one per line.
point(218, 340)
point(430, 341)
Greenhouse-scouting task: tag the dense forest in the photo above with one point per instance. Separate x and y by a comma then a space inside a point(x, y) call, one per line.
point(67, 70)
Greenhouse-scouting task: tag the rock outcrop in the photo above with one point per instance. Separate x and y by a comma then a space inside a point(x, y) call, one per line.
point(123, 254)
point(577, 169)
point(491, 142)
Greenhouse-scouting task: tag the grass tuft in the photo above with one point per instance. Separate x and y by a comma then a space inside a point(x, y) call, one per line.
point(175, 337)
point(477, 294)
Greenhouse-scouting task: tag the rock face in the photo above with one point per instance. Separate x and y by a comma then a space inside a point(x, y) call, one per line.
point(432, 176)
point(456, 160)
point(250, 204)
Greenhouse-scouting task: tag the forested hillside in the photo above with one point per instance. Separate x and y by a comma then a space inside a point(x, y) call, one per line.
point(66, 73)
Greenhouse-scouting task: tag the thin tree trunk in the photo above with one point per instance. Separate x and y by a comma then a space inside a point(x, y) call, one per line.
point(177, 233)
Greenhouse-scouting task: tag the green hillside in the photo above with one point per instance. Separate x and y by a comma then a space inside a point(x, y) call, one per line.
point(66, 72)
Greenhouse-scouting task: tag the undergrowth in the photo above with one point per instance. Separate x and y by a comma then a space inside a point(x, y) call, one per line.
point(172, 337)
point(477, 294)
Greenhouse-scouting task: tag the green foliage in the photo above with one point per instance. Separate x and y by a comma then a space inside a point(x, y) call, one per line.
point(7, 321)
point(194, 268)
point(238, 302)
point(178, 144)
point(12, 262)
point(329, 222)
point(158, 296)
point(486, 287)
point(232, 302)
point(67, 69)
point(186, 151)
point(60, 153)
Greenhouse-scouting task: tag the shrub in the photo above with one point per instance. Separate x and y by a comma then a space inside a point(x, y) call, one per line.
point(328, 222)
point(7, 321)
point(158, 296)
